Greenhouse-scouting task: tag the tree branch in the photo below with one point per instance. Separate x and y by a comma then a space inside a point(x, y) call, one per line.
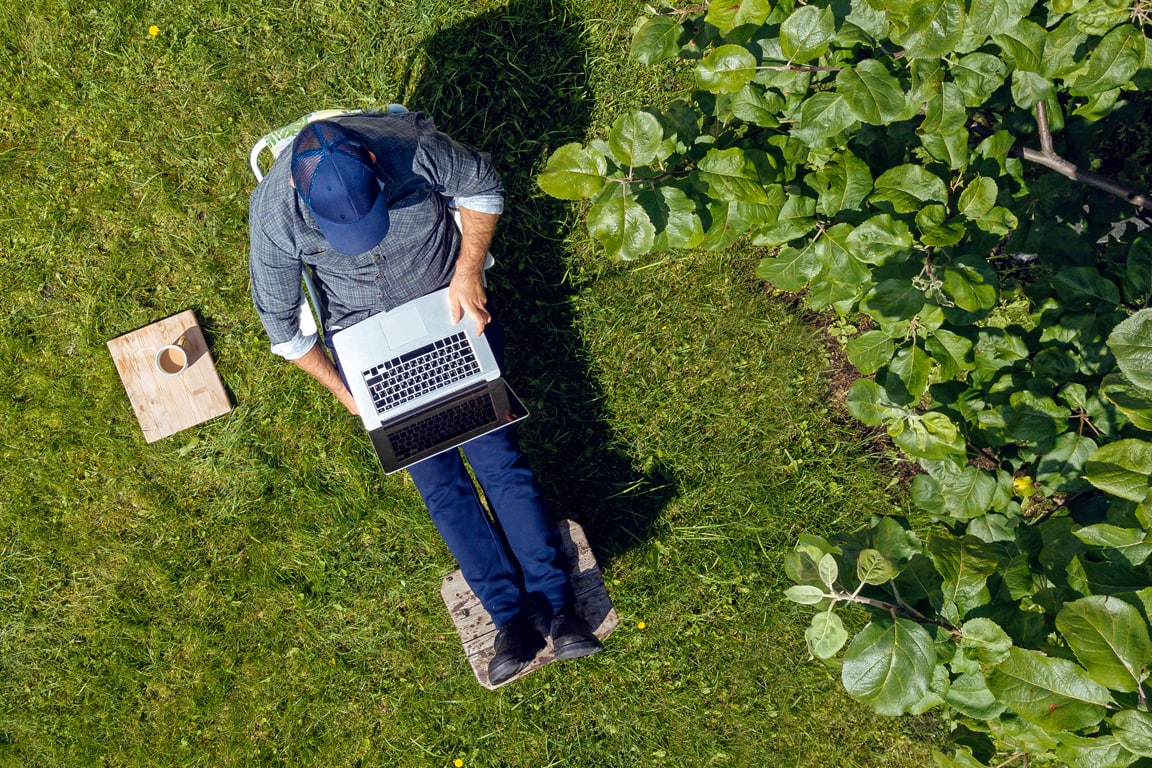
point(1048, 158)
point(903, 610)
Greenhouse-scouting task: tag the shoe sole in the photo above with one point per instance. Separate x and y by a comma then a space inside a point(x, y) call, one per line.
point(577, 650)
point(506, 673)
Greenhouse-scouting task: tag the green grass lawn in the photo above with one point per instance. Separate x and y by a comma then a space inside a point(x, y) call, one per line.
point(253, 591)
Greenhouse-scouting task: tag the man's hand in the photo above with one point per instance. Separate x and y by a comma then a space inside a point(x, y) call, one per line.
point(466, 294)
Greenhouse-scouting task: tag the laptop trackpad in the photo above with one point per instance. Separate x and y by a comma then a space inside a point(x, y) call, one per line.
point(403, 327)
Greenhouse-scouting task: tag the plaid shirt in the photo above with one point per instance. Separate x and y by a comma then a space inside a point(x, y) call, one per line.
point(416, 257)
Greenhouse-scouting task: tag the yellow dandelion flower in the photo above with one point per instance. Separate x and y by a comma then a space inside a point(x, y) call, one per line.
point(458, 763)
point(641, 625)
point(153, 30)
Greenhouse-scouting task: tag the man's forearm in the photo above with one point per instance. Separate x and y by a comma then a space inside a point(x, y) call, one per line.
point(466, 292)
point(476, 232)
point(317, 365)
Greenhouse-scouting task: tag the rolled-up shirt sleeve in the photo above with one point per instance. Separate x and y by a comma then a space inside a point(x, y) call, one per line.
point(458, 171)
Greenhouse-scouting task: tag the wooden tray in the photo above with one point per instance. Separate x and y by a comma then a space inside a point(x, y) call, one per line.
point(166, 404)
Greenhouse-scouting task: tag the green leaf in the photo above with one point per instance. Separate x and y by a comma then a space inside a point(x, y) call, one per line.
point(757, 105)
point(795, 219)
point(730, 174)
point(675, 217)
point(635, 138)
point(978, 198)
point(1131, 342)
point(807, 32)
point(929, 436)
point(1055, 694)
point(805, 594)
point(945, 112)
point(822, 116)
point(1030, 88)
point(574, 173)
point(730, 220)
point(969, 694)
point(911, 366)
point(1112, 62)
point(998, 221)
point(949, 148)
point(880, 239)
point(1061, 470)
point(1132, 543)
point(930, 28)
point(1100, 751)
point(908, 187)
point(936, 229)
point(826, 635)
point(1085, 287)
point(1138, 275)
point(726, 15)
point(985, 641)
point(965, 565)
point(726, 69)
point(1030, 417)
point(1097, 17)
point(657, 39)
point(992, 17)
point(869, 351)
point(1133, 401)
point(872, 567)
point(828, 569)
point(952, 351)
point(1023, 44)
point(889, 665)
point(971, 283)
point(1122, 468)
point(969, 493)
point(842, 184)
point(872, 94)
point(893, 300)
point(620, 224)
point(1061, 49)
point(869, 20)
point(791, 268)
point(961, 758)
point(896, 542)
point(1133, 729)
point(867, 402)
point(1109, 638)
point(978, 75)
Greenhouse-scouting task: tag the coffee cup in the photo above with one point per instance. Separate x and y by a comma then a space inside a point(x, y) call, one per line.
point(171, 359)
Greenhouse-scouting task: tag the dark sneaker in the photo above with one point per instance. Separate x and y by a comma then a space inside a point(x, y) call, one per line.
point(571, 635)
point(517, 643)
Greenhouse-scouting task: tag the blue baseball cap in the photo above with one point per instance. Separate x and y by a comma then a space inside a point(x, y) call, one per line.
point(337, 179)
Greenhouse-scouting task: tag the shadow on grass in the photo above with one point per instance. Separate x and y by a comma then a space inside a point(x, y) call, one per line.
point(512, 83)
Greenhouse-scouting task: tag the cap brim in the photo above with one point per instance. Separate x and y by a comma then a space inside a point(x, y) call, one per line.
point(357, 237)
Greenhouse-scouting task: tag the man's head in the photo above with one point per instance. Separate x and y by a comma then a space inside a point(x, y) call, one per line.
point(336, 176)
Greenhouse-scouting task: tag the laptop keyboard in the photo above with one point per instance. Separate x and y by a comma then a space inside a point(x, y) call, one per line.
point(421, 371)
point(451, 423)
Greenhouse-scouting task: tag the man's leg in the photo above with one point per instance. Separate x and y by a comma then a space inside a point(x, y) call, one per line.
point(455, 509)
point(518, 504)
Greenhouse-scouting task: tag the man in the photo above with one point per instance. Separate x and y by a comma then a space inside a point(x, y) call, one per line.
point(364, 201)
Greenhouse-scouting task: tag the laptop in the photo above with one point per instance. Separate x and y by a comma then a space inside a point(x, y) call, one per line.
point(423, 384)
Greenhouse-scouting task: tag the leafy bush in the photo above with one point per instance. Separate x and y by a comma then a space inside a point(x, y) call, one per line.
point(928, 167)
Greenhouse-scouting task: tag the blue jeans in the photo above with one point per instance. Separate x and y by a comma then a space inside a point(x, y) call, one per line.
point(515, 561)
